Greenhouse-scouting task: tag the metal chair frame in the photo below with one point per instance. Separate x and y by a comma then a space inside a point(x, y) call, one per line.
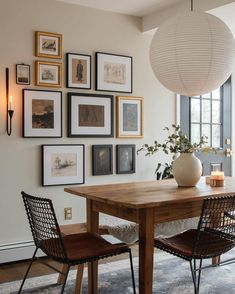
point(47, 237)
point(218, 219)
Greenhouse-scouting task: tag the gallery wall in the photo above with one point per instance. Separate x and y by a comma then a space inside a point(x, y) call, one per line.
point(84, 31)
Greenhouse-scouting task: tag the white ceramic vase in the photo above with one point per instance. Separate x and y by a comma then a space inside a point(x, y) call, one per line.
point(187, 170)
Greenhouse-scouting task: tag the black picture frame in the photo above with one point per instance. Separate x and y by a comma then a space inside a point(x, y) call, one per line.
point(102, 160)
point(51, 180)
point(28, 130)
point(20, 67)
point(69, 71)
point(75, 129)
point(120, 86)
point(122, 164)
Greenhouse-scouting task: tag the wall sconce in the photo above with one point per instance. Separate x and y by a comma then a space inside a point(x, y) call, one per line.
point(9, 104)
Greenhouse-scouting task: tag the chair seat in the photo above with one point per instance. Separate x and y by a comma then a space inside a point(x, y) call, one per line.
point(182, 244)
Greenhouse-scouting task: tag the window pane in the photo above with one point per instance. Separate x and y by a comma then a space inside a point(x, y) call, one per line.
point(195, 110)
point(206, 111)
point(215, 111)
point(216, 94)
point(208, 95)
point(195, 133)
point(216, 136)
point(206, 131)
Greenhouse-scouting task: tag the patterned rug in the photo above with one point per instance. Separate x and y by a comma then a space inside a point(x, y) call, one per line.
point(171, 276)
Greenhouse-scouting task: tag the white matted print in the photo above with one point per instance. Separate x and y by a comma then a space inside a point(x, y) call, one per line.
point(48, 45)
point(42, 113)
point(62, 164)
point(78, 71)
point(90, 115)
point(129, 117)
point(48, 74)
point(113, 72)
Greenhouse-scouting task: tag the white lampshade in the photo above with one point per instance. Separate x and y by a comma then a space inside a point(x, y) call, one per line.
point(193, 53)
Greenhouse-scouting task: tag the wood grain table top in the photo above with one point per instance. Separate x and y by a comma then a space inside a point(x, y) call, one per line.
point(151, 193)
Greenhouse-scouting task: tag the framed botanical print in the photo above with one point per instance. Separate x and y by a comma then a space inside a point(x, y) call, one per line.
point(63, 165)
point(22, 74)
point(48, 45)
point(48, 74)
point(42, 114)
point(102, 160)
point(129, 114)
point(125, 159)
point(90, 115)
point(78, 71)
point(113, 72)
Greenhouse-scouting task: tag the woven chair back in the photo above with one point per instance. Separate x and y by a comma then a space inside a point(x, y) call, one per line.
point(44, 226)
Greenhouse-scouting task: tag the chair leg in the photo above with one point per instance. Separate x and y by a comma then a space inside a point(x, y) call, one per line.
point(65, 279)
point(196, 278)
point(79, 278)
point(26, 274)
point(132, 272)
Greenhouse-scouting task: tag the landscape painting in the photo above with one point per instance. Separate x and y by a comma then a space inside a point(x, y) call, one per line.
point(48, 74)
point(114, 73)
point(130, 117)
point(63, 164)
point(42, 114)
point(91, 115)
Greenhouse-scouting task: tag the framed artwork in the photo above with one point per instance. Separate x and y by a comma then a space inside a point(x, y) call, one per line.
point(42, 113)
point(125, 159)
point(22, 74)
point(48, 74)
point(78, 71)
point(63, 165)
point(90, 115)
point(129, 117)
point(113, 72)
point(48, 45)
point(102, 160)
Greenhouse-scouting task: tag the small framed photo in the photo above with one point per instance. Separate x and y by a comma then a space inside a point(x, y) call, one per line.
point(113, 72)
point(63, 165)
point(129, 117)
point(22, 74)
point(125, 159)
point(90, 115)
point(48, 74)
point(42, 114)
point(48, 45)
point(102, 160)
point(78, 71)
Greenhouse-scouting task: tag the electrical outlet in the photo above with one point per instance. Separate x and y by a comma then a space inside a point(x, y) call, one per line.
point(68, 213)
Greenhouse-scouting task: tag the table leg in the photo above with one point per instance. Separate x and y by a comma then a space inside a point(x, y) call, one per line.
point(146, 250)
point(92, 226)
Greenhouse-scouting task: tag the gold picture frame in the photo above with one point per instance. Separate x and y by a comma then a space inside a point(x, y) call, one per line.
point(48, 74)
point(129, 117)
point(48, 45)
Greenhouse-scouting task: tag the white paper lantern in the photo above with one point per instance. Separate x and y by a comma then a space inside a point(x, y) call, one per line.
point(193, 53)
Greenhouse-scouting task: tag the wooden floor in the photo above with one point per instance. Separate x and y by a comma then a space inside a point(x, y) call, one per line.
point(15, 271)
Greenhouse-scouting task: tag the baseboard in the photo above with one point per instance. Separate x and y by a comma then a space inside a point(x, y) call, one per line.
point(17, 251)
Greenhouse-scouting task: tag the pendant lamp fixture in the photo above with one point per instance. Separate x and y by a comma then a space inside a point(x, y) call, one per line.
point(193, 53)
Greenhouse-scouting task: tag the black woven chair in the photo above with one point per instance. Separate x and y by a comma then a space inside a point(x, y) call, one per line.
point(69, 250)
point(214, 236)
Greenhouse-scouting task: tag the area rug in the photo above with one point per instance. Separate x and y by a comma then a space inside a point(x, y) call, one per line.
point(171, 276)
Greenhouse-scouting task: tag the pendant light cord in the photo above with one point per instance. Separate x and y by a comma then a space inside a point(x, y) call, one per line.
point(191, 5)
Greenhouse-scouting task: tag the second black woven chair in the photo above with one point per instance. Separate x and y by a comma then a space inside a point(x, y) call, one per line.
point(214, 236)
point(70, 250)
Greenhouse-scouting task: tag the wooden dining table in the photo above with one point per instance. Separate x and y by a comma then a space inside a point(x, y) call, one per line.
point(145, 203)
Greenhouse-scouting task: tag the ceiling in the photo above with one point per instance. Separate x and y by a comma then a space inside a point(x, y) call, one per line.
point(131, 7)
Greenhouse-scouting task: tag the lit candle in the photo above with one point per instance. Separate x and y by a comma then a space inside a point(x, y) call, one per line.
point(10, 103)
point(217, 175)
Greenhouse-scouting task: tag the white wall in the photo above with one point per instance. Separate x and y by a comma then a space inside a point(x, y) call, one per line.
point(84, 31)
